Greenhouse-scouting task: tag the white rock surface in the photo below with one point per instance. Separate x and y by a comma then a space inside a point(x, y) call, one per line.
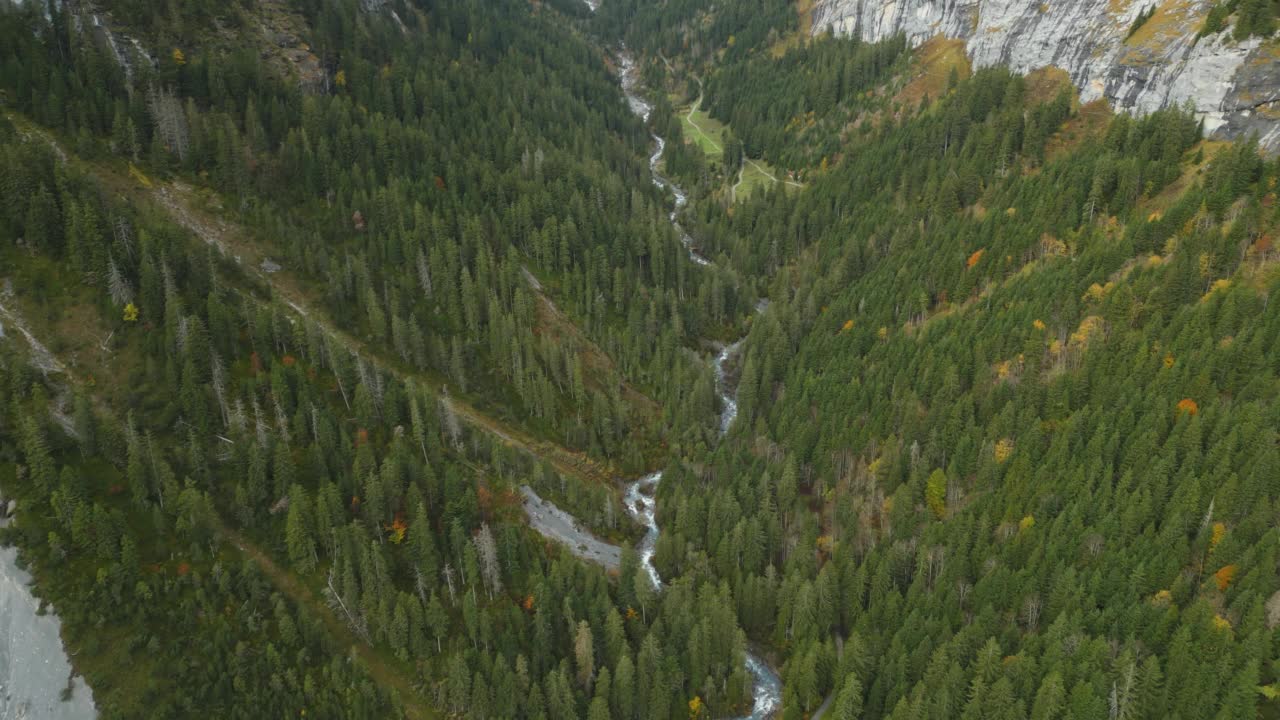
point(33, 667)
point(562, 527)
point(1234, 87)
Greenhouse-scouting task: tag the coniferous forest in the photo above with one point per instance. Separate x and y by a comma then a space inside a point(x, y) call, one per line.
point(299, 299)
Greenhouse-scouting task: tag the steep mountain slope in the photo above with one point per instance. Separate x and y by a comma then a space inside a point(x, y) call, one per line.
point(1007, 441)
point(306, 341)
point(1138, 65)
point(295, 341)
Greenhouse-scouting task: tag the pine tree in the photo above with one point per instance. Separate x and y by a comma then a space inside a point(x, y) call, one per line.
point(298, 531)
point(584, 654)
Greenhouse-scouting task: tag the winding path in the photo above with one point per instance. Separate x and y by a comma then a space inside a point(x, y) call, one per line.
point(697, 105)
point(689, 117)
point(381, 670)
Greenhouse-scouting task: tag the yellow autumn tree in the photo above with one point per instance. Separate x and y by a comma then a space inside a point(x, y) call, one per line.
point(1051, 246)
point(131, 313)
point(1003, 450)
point(179, 58)
point(1089, 327)
point(1003, 369)
point(1097, 292)
point(695, 707)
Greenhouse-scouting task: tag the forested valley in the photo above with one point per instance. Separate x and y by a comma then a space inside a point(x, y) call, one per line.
point(297, 299)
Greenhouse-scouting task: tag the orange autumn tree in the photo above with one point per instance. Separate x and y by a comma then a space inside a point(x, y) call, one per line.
point(396, 530)
point(975, 258)
point(1224, 576)
point(1187, 406)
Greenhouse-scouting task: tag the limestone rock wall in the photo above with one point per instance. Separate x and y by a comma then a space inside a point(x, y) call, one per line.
point(1234, 87)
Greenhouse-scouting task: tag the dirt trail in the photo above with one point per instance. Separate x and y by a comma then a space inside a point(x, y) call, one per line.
point(41, 357)
point(176, 199)
point(689, 116)
point(378, 668)
point(382, 672)
point(597, 361)
point(693, 109)
point(770, 175)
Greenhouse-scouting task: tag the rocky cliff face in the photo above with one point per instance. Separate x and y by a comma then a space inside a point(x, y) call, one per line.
point(1234, 87)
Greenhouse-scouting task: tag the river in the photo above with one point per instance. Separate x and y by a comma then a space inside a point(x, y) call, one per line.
point(640, 494)
point(34, 669)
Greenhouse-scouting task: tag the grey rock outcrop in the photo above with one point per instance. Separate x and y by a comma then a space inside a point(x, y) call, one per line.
point(1234, 87)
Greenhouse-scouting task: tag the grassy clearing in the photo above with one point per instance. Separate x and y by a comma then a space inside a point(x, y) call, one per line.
point(931, 70)
point(705, 130)
point(1172, 19)
point(758, 175)
point(709, 134)
point(1089, 123)
point(804, 28)
point(753, 179)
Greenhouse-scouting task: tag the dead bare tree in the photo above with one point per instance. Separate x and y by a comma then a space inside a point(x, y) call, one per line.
point(447, 573)
point(259, 426)
point(123, 232)
point(282, 421)
point(117, 285)
point(218, 380)
point(935, 563)
point(420, 584)
point(491, 571)
point(237, 420)
point(450, 421)
point(336, 367)
point(1031, 611)
point(170, 120)
point(334, 598)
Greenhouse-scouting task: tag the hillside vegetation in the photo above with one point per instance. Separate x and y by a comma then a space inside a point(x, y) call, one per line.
point(292, 342)
point(1007, 445)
